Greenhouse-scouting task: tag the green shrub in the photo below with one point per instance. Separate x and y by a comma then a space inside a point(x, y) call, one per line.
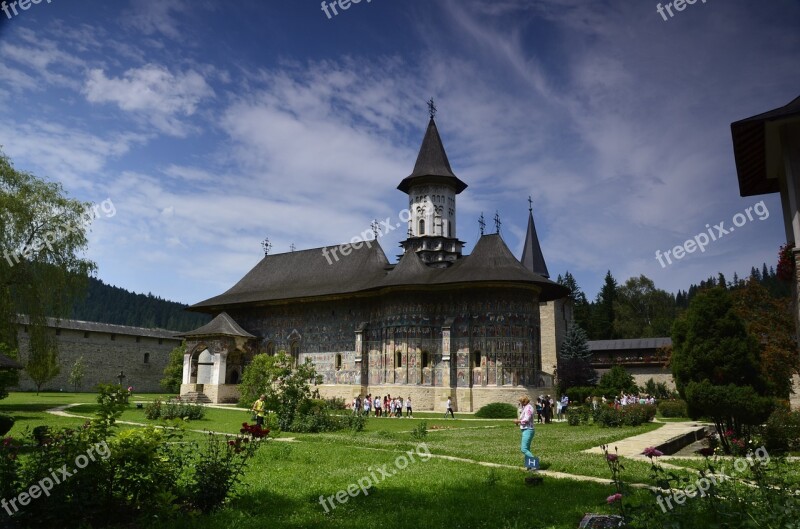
point(630, 415)
point(356, 422)
point(577, 415)
point(336, 403)
point(672, 408)
point(6, 423)
point(420, 432)
point(781, 433)
point(174, 409)
point(497, 410)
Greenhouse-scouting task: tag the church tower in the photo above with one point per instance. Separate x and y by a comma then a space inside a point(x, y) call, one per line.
point(432, 188)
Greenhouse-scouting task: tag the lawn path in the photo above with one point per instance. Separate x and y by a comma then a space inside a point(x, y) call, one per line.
point(61, 412)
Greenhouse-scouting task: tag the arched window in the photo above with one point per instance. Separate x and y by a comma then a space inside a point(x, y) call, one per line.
point(426, 359)
point(271, 348)
point(398, 359)
point(338, 362)
point(476, 357)
point(294, 348)
point(422, 226)
point(450, 230)
point(147, 358)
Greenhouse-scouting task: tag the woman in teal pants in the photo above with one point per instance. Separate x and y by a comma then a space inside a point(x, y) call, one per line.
point(525, 423)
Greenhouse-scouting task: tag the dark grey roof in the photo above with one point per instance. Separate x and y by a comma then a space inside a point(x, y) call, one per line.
point(432, 164)
point(309, 273)
point(222, 325)
point(532, 256)
point(106, 328)
point(636, 343)
point(8, 363)
point(755, 141)
point(491, 260)
point(410, 270)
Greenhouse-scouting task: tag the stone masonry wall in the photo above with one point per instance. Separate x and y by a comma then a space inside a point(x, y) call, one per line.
point(103, 359)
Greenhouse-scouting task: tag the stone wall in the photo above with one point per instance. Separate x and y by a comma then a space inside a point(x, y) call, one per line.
point(556, 316)
point(658, 373)
point(141, 358)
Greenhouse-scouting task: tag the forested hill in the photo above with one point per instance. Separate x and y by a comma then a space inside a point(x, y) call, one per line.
point(109, 304)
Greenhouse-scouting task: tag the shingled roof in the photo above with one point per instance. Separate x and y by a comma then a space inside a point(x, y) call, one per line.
point(309, 274)
point(432, 164)
point(532, 256)
point(107, 328)
point(222, 325)
point(756, 149)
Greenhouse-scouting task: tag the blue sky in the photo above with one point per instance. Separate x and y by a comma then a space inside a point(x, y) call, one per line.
point(212, 125)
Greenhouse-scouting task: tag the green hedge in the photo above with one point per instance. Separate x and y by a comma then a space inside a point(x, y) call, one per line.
point(497, 410)
point(630, 415)
point(673, 408)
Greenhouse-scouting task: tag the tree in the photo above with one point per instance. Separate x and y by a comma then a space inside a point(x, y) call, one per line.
point(173, 373)
point(574, 364)
point(770, 320)
point(615, 381)
point(10, 377)
point(286, 385)
point(581, 306)
point(77, 374)
point(43, 233)
point(602, 327)
point(716, 365)
point(42, 364)
point(643, 311)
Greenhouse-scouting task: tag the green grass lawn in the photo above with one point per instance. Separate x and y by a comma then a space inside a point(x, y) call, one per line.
point(283, 484)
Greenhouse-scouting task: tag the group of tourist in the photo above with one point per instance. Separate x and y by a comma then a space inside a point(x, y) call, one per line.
point(386, 407)
point(623, 399)
point(546, 406)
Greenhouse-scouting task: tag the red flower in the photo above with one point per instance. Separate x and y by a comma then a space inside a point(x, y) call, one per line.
point(707, 451)
point(232, 443)
point(611, 457)
point(614, 498)
point(652, 452)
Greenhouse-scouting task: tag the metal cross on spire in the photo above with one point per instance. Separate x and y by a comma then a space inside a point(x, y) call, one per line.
point(482, 223)
point(267, 246)
point(292, 247)
point(530, 204)
point(431, 108)
point(497, 222)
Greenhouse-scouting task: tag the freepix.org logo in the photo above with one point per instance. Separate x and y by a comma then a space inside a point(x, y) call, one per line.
point(703, 239)
point(10, 8)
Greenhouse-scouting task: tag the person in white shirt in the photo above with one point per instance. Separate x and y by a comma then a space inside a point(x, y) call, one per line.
point(449, 409)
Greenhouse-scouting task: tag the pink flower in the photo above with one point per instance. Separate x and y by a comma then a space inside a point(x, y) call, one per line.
point(614, 498)
point(611, 457)
point(652, 452)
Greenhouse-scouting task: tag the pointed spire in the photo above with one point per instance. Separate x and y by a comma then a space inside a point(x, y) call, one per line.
point(432, 162)
point(532, 257)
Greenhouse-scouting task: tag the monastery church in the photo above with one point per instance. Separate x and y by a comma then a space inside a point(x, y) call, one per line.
point(478, 328)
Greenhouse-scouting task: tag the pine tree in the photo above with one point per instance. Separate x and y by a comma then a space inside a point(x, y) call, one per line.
point(574, 365)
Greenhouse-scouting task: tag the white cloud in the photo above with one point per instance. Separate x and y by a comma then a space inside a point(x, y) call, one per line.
point(151, 92)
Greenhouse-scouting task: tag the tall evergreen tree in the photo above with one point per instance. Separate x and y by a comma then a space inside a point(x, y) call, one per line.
point(603, 310)
point(574, 365)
